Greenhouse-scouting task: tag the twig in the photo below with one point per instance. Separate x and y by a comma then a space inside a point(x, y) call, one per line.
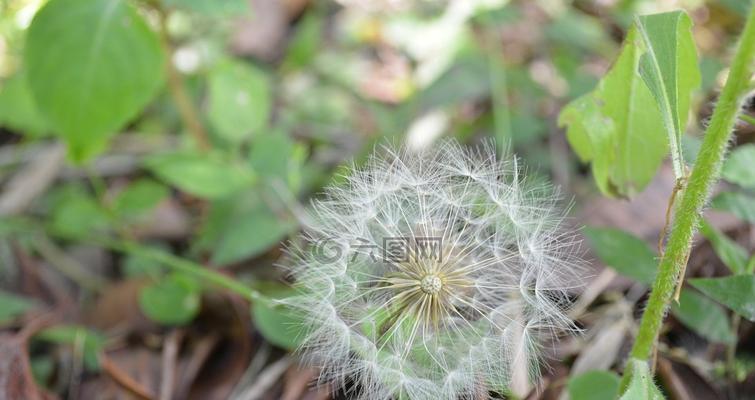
point(67, 265)
point(170, 352)
point(199, 354)
point(261, 355)
point(32, 180)
point(731, 350)
point(678, 186)
point(591, 292)
point(266, 380)
point(124, 380)
point(187, 110)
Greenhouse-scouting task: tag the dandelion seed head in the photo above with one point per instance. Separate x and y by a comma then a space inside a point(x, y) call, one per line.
point(482, 282)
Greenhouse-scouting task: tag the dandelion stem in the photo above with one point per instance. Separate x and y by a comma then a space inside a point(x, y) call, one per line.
point(704, 175)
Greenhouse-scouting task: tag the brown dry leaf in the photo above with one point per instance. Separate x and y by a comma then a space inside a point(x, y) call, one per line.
point(32, 180)
point(606, 338)
point(643, 216)
point(294, 8)
point(261, 35)
point(16, 380)
point(168, 221)
point(387, 79)
point(299, 384)
point(124, 379)
point(189, 367)
point(683, 383)
point(551, 385)
point(117, 309)
point(221, 369)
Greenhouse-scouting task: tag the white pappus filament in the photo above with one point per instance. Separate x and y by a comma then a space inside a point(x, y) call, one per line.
point(432, 275)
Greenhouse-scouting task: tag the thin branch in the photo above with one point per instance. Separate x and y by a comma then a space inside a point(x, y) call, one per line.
point(186, 109)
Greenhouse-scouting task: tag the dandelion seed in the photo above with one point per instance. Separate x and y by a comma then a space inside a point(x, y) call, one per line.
point(471, 274)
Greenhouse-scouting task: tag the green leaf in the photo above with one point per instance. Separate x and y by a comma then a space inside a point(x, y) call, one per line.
point(211, 8)
point(575, 30)
point(305, 43)
point(588, 129)
point(627, 254)
point(17, 225)
point(468, 78)
point(18, 111)
point(594, 385)
point(87, 341)
point(732, 254)
point(614, 128)
point(139, 198)
point(279, 324)
point(243, 227)
point(250, 236)
point(690, 148)
point(92, 66)
point(275, 156)
point(703, 316)
point(42, 368)
point(76, 214)
point(205, 175)
point(239, 100)
point(12, 305)
point(669, 69)
point(736, 6)
point(641, 385)
point(740, 204)
point(736, 292)
point(174, 300)
point(739, 167)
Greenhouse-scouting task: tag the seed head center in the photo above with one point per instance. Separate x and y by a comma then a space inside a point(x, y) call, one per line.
point(431, 284)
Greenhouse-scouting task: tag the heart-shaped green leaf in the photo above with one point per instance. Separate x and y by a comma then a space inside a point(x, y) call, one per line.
point(239, 100)
point(174, 300)
point(92, 65)
point(207, 175)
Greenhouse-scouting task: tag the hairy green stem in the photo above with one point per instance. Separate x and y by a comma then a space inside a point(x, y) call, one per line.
point(182, 265)
point(702, 178)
